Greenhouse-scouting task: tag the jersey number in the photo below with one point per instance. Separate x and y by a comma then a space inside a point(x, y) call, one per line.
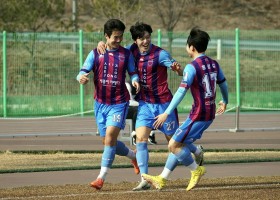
point(209, 85)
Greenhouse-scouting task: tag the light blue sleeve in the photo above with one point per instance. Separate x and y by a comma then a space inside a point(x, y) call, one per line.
point(224, 91)
point(165, 59)
point(132, 69)
point(87, 66)
point(220, 75)
point(221, 80)
point(188, 76)
point(128, 46)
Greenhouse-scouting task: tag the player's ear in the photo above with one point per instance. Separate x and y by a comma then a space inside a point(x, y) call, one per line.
point(192, 48)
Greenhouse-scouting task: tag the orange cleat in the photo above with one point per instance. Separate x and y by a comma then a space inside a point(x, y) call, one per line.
point(97, 184)
point(135, 165)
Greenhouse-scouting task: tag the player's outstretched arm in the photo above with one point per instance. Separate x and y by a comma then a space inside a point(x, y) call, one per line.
point(177, 68)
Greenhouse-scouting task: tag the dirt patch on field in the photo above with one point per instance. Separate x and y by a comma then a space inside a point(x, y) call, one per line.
point(218, 188)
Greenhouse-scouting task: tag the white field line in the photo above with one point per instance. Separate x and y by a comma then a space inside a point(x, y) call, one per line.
point(252, 186)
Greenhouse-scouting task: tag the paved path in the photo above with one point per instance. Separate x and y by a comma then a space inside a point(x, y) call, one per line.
point(257, 132)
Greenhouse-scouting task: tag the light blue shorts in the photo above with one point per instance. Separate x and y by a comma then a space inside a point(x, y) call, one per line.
point(190, 131)
point(147, 113)
point(110, 115)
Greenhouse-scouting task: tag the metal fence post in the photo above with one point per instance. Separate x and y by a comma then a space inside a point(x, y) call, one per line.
point(159, 38)
point(81, 65)
point(219, 49)
point(237, 64)
point(4, 79)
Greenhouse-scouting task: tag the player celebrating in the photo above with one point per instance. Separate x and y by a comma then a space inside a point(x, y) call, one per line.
point(154, 97)
point(201, 77)
point(111, 95)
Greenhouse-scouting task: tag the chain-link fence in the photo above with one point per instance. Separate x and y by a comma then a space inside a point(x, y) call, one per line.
point(38, 71)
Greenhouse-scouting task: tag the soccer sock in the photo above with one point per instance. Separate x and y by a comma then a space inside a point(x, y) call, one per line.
point(121, 149)
point(165, 173)
point(108, 157)
point(193, 166)
point(103, 172)
point(192, 147)
point(171, 162)
point(142, 157)
point(131, 154)
point(197, 151)
point(185, 156)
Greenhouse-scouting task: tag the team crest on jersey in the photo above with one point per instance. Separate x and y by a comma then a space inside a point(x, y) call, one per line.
point(150, 62)
point(121, 57)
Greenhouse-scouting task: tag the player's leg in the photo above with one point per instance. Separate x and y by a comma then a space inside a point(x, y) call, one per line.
point(188, 133)
point(197, 152)
point(142, 155)
point(108, 155)
point(144, 123)
point(160, 181)
point(170, 126)
point(116, 117)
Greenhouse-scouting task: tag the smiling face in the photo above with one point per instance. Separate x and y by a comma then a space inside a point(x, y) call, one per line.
point(115, 40)
point(144, 42)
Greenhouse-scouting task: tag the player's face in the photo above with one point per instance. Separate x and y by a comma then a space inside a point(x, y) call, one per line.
point(115, 40)
point(144, 42)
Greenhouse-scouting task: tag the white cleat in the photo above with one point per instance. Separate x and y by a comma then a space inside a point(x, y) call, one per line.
point(143, 185)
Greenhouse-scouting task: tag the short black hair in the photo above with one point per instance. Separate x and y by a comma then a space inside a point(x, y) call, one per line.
point(113, 24)
point(199, 39)
point(137, 30)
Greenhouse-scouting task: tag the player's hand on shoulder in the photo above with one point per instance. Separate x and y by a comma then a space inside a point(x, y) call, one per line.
point(101, 47)
point(222, 108)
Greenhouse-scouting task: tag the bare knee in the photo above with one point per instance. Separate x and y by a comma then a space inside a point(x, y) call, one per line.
point(174, 147)
point(142, 134)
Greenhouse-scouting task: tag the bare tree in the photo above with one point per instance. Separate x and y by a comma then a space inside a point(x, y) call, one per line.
point(29, 15)
point(121, 9)
point(170, 13)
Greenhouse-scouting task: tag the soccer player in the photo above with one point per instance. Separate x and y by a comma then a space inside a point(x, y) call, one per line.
point(154, 97)
point(200, 76)
point(111, 95)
